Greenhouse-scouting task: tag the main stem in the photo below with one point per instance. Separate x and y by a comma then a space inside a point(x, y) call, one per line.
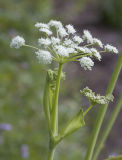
point(55, 104)
point(54, 115)
point(51, 154)
point(103, 109)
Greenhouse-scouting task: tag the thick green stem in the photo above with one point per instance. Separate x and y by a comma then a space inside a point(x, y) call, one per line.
point(103, 109)
point(108, 128)
point(51, 154)
point(55, 104)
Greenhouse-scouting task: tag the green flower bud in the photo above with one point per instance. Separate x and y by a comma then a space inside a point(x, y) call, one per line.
point(96, 99)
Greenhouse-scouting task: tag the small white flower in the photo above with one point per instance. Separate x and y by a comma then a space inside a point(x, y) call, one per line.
point(77, 39)
point(44, 56)
point(55, 40)
point(70, 50)
point(45, 30)
point(62, 32)
point(74, 45)
point(111, 48)
point(96, 54)
point(70, 29)
point(86, 63)
point(87, 50)
point(87, 36)
point(62, 51)
point(81, 49)
point(56, 24)
point(98, 42)
point(43, 41)
point(17, 42)
point(67, 42)
point(41, 25)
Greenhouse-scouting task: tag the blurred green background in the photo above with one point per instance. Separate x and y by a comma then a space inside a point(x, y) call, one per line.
point(22, 77)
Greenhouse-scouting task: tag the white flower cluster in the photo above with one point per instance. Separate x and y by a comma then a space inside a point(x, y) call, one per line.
point(17, 42)
point(110, 48)
point(44, 56)
point(86, 63)
point(62, 44)
point(96, 99)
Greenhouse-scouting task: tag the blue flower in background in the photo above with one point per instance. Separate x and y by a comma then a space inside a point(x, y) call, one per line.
point(5, 126)
point(24, 151)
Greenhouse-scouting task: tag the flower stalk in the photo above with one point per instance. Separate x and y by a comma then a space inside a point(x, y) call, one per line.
point(54, 115)
point(51, 153)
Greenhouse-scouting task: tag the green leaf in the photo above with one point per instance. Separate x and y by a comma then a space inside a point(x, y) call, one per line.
point(74, 124)
point(115, 158)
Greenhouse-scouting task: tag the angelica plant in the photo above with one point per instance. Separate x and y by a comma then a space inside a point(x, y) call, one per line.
point(62, 44)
